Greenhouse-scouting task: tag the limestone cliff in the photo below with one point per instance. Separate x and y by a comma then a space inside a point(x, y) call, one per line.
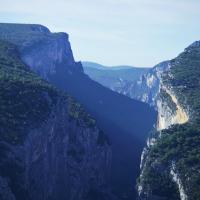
point(169, 166)
point(40, 49)
point(121, 118)
point(50, 148)
point(147, 87)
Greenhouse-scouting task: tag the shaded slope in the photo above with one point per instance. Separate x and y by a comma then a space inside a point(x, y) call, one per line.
point(126, 121)
point(50, 148)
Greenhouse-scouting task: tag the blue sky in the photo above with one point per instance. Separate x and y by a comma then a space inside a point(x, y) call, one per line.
point(114, 32)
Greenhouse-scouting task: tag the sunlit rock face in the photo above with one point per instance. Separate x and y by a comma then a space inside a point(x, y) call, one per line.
point(177, 180)
point(166, 173)
point(151, 89)
point(170, 115)
point(146, 89)
point(170, 112)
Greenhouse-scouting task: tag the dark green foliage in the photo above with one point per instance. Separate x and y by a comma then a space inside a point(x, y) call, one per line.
point(26, 100)
point(158, 183)
point(186, 79)
point(26, 36)
point(26, 103)
point(77, 112)
point(181, 143)
point(117, 115)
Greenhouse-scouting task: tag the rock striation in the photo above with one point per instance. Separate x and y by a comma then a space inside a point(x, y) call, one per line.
point(50, 147)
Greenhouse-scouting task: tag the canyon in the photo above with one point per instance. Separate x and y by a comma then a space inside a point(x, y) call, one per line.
point(66, 136)
point(119, 118)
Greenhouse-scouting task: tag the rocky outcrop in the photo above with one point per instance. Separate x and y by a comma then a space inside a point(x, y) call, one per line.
point(170, 111)
point(50, 148)
point(121, 118)
point(40, 49)
point(52, 51)
point(63, 160)
point(147, 87)
point(151, 89)
point(117, 78)
point(165, 170)
point(59, 160)
point(177, 180)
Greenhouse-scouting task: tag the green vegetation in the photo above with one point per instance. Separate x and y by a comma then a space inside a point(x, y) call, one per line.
point(185, 79)
point(26, 100)
point(180, 143)
point(26, 36)
point(158, 183)
point(77, 112)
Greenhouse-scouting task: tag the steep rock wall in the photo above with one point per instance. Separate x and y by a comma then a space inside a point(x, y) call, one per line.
point(41, 49)
point(170, 111)
point(147, 87)
point(59, 160)
point(169, 167)
point(50, 148)
point(63, 160)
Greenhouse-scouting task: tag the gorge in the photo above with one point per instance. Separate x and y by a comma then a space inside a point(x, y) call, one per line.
point(119, 118)
point(66, 136)
point(170, 160)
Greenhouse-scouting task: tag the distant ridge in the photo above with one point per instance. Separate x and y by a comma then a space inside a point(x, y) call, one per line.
point(117, 67)
point(116, 78)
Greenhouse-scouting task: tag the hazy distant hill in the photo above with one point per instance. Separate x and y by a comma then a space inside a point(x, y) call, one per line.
point(115, 78)
point(99, 66)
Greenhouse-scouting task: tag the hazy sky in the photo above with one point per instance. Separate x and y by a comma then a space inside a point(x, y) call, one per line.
point(114, 32)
